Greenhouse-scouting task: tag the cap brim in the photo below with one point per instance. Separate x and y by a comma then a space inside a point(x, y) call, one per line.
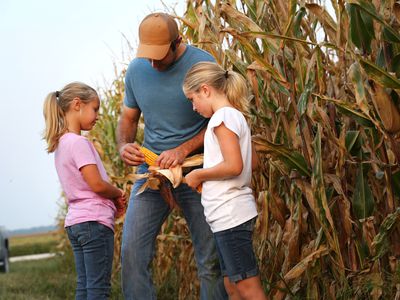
point(156, 52)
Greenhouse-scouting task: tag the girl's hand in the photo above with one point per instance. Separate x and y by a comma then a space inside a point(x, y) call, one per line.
point(120, 204)
point(193, 180)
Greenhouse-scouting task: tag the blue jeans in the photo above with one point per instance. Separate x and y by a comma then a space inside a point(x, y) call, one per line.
point(93, 247)
point(235, 250)
point(144, 217)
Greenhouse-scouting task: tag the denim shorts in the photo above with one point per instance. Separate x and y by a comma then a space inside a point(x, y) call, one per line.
point(235, 251)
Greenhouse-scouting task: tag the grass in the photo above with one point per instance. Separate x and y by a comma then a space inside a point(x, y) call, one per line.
point(38, 279)
point(54, 278)
point(33, 244)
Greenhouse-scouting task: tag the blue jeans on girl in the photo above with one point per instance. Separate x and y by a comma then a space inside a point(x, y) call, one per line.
point(93, 247)
point(145, 215)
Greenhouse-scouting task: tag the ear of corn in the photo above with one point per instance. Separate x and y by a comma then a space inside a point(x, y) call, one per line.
point(149, 156)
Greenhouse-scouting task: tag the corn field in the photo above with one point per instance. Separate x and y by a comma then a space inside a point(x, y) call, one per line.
point(325, 119)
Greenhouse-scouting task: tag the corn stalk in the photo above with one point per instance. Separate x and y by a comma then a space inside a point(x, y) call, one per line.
point(325, 119)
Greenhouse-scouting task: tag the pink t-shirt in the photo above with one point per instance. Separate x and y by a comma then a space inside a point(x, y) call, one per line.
point(73, 152)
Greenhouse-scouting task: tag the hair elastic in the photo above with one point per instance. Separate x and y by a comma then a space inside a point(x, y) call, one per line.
point(57, 94)
point(226, 74)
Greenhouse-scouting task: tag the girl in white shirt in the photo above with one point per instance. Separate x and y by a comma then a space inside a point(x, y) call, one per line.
point(227, 197)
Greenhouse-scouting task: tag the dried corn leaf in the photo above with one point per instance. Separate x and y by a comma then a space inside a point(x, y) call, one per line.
point(299, 269)
point(387, 110)
point(155, 178)
point(358, 84)
point(324, 18)
point(174, 175)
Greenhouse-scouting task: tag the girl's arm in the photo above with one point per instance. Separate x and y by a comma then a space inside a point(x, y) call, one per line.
point(101, 187)
point(231, 166)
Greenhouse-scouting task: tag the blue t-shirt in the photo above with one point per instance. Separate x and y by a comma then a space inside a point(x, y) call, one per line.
point(168, 115)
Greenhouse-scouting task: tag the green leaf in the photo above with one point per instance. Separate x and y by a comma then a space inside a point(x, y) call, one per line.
point(359, 117)
point(270, 105)
point(361, 28)
point(303, 100)
point(381, 243)
point(353, 141)
point(297, 22)
point(363, 200)
point(390, 36)
point(396, 183)
point(366, 6)
point(318, 185)
point(380, 58)
point(291, 158)
point(358, 83)
point(396, 65)
point(379, 75)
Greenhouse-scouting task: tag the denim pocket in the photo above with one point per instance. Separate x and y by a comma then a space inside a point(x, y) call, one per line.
point(98, 229)
point(81, 232)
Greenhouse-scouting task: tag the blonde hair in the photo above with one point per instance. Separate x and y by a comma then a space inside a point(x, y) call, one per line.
point(57, 104)
point(231, 83)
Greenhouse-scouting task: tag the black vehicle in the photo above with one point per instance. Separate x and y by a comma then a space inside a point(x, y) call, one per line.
point(4, 250)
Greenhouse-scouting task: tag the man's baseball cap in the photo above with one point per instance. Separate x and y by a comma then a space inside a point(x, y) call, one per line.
point(156, 32)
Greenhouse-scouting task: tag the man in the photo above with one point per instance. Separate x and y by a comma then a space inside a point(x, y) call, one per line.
point(153, 86)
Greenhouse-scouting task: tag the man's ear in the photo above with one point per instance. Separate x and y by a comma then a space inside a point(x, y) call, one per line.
point(175, 43)
point(76, 104)
point(178, 41)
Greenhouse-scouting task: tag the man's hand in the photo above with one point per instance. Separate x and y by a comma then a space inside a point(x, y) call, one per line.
point(171, 158)
point(131, 155)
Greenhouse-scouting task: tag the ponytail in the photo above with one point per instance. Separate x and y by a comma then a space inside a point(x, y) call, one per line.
point(56, 105)
point(231, 83)
point(56, 124)
point(236, 91)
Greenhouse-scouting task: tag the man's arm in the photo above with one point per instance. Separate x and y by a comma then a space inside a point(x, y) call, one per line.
point(126, 135)
point(175, 156)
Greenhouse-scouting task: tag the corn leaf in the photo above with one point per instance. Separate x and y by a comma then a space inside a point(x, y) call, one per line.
point(381, 242)
point(366, 6)
point(361, 28)
point(358, 83)
point(353, 141)
point(324, 18)
point(298, 269)
point(296, 27)
point(292, 159)
point(348, 110)
point(318, 183)
point(363, 200)
point(381, 76)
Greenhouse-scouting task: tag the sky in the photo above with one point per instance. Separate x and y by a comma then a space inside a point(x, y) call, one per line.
point(46, 44)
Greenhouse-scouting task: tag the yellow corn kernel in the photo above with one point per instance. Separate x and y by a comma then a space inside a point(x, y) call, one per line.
point(149, 156)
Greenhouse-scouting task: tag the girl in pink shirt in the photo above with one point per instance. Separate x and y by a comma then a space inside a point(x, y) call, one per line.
point(93, 202)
